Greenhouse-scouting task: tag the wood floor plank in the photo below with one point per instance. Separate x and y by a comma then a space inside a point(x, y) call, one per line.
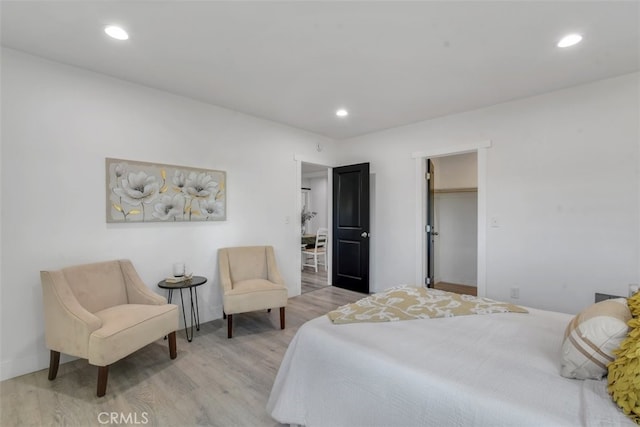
point(312, 281)
point(214, 381)
point(456, 288)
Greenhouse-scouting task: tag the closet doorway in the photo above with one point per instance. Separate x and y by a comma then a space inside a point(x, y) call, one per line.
point(452, 229)
point(315, 206)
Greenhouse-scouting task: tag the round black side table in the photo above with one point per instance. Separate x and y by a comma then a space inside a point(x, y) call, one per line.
point(192, 285)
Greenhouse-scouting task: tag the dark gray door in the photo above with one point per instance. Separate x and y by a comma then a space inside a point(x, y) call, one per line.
point(351, 227)
point(431, 233)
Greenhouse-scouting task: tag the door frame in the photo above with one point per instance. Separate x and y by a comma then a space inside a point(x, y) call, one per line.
point(299, 159)
point(420, 157)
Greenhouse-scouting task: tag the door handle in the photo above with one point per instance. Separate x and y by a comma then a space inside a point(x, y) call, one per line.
point(365, 234)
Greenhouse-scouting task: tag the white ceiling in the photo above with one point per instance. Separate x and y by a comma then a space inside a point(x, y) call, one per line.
point(390, 63)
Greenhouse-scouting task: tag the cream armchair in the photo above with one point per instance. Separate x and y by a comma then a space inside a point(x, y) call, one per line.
point(103, 312)
point(250, 281)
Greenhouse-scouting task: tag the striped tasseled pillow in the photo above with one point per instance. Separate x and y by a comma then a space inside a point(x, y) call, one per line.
point(591, 338)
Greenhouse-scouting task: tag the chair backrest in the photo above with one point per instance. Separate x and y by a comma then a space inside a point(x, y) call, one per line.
point(247, 262)
point(321, 238)
point(97, 286)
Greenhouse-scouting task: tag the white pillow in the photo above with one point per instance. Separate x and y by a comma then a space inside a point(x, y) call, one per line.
point(592, 336)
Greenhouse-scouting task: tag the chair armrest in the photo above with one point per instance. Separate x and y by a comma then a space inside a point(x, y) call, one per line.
point(273, 273)
point(137, 291)
point(225, 273)
point(68, 324)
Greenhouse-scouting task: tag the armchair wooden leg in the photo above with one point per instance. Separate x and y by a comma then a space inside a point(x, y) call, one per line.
point(54, 362)
point(268, 310)
point(281, 317)
point(173, 352)
point(224, 315)
point(229, 325)
point(103, 373)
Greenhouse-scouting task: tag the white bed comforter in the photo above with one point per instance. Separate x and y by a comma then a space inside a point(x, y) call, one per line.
point(485, 370)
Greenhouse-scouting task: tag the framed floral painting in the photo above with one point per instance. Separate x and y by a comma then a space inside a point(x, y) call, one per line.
point(146, 192)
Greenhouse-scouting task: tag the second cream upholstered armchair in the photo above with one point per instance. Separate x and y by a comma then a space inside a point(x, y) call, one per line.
point(103, 312)
point(250, 281)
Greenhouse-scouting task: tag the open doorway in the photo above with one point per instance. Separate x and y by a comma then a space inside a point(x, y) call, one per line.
point(314, 218)
point(452, 236)
point(480, 148)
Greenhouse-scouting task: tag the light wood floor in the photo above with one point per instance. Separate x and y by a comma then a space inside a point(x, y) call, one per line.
point(458, 289)
point(213, 382)
point(312, 281)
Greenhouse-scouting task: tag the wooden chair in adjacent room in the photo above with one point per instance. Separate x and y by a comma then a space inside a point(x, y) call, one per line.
point(311, 256)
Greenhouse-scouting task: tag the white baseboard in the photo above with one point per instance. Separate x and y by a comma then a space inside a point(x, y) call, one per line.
point(27, 365)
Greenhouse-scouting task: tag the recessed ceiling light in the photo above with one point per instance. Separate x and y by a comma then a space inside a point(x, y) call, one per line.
point(116, 32)
point(342, 113)
point(570, 40)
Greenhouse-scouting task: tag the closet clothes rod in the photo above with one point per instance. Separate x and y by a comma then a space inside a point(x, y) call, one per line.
point(456, 190)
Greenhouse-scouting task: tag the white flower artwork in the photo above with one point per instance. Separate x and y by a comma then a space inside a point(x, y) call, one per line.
point(169, 207)
point(140, 192)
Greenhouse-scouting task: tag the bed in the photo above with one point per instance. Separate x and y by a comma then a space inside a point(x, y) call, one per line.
point(485, 370)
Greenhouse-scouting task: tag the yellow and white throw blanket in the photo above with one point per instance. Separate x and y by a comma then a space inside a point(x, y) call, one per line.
point(409, 302)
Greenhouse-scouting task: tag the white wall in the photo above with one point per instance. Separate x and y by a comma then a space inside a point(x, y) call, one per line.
point(58, 125)
point(562, 181)
point(456, 245)
point(457, 171)
point(318, 200)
